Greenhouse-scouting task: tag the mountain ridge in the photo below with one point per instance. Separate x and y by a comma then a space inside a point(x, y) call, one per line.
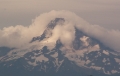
point(84, 54)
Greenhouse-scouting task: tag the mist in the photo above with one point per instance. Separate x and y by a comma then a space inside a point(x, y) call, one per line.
point(20, 35)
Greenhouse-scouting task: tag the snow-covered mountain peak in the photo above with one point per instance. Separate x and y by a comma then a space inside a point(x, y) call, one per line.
point(48, 31)
point(61, 48)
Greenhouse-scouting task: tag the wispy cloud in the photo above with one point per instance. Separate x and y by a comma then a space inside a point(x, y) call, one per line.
point(19, 36)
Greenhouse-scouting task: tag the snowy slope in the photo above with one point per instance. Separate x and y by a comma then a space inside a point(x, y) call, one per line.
point(52, 56)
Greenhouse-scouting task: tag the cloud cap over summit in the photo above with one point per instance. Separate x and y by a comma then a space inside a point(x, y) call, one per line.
point(19, 35)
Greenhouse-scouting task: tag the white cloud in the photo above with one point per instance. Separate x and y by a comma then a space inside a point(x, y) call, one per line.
point(17, 36)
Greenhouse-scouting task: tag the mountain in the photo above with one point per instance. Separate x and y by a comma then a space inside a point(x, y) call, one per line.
point(85, 56)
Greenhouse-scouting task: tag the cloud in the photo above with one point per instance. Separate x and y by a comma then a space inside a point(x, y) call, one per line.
point(66, 33)
point(102, 12)
point(19, 36)
point(111, 38)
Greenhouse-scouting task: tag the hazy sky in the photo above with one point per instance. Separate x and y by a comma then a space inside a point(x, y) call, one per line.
point(21, 12)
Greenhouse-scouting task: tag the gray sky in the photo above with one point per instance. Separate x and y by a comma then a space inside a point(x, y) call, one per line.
point(21, 12)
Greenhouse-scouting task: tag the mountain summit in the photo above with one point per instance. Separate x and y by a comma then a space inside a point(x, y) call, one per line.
point(60, 51)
